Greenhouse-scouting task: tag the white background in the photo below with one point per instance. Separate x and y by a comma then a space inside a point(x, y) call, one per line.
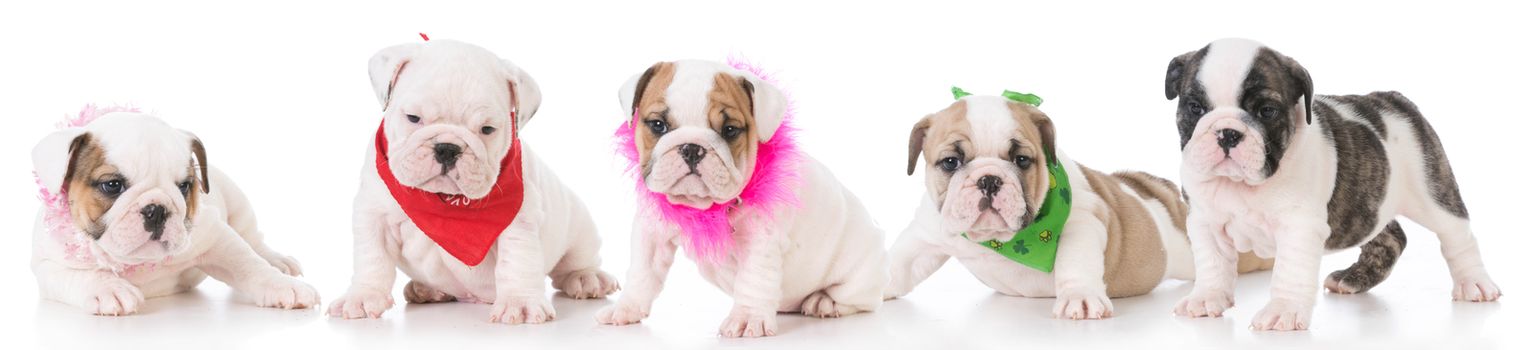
point(280, 95)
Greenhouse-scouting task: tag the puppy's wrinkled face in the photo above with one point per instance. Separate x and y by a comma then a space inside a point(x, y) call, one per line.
point(133, 184)
point(1239, 105)
point(697, 131)
point(447, 116)
point(985, 160)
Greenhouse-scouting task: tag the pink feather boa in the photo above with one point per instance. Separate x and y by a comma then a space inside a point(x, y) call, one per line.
point(78, 247)
point(709, 235)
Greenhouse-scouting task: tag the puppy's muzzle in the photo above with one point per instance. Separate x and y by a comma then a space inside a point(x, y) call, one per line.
point(1228, 139)
point(154, 220)
point(988, 185)
point(447, 154)
point(692, 153)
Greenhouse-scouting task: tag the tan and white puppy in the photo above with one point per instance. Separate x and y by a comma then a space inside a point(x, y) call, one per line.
point(701, 125)
point(149, 218)
point(445, 94)
point(986, 176)
point(1271, 168)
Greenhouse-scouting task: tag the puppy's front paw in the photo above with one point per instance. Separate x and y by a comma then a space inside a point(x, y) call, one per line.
point(745, 322)
point(588, 285)
point(1282, 315)
point(286, 293)
point(365, 303)
point(819, 304)
point(1078, 305)
point(114, 297)
point(287, 264)
point(519, 310)
point(621, 314)
point(1476, 290)
point(1204, 303)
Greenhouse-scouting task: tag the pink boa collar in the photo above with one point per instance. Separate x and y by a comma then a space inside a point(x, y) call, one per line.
point(78, 247)
point(708, 233)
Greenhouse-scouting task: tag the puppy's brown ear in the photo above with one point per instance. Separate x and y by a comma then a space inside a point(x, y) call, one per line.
point(202, 162)
point(525, 94)
point(1175, 72)
point(1299, 81)
point(384, 69)
point(632, 91)
point(918, 138)
point(53, 158)
point(1046, 134)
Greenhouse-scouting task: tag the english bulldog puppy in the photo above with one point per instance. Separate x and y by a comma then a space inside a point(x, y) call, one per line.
point(705, 138)
point(1271, 168)
point(133, 211)
point(988, 176)
point(448, 148)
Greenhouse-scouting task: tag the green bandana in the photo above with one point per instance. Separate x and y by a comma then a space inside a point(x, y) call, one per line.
point(1035, 245)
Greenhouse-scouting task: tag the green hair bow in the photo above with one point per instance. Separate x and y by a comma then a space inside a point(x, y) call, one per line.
point(1030, 99)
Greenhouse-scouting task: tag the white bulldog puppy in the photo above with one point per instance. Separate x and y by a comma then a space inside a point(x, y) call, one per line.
point(450, 196)
point(769, 226)
point(999, 190)
point(1270, 168)
point(133, 211)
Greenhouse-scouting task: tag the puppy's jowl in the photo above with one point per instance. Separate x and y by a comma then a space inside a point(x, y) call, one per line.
point(718, 173)
point(451, 197)
point(1029, 221)
point(1272, 169)
point(133, 211)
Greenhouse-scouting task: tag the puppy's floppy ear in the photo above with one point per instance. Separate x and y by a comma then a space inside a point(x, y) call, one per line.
point(633, 91)
point(53, 159)
point(918, 138)
point(1046, 132)
point(1175, 72)
point(385, 66)
point(768, 105)
point(1300, 79)
point(525, 94)
point(202, 161)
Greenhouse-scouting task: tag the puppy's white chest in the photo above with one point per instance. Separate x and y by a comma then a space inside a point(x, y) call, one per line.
point(422, 259)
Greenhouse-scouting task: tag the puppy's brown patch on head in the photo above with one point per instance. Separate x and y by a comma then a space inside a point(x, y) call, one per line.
point(88, 167)
point(1034, 128)
point(938, 136)
point(650, 105)
point(729, 114)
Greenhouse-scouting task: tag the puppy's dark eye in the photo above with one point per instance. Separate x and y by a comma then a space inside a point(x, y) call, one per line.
point(111, 188)
point(1023, 162)
point(487, 130)
point(185, 186)
point(657, 126)
point(1268, 112)
point(730, 132)
point(414, 119)
point(1195, 108)
point(950, 164)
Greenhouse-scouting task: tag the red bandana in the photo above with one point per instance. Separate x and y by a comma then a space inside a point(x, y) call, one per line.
point(464, 227)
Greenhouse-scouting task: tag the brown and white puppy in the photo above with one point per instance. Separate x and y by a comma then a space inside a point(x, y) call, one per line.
point(1271, 168)
point(986, 177)
point(701, 125)
point(447, 117)
point(148, 217)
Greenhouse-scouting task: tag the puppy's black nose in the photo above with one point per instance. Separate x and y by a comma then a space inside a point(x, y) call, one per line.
point(692, 153)
point(1228, 138)
point(989, 185)
point(447, 153)
point(154, 220)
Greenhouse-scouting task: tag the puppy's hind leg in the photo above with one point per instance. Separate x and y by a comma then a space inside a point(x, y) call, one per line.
point(863, 292)
point(419, 293)
point(578, 274)
point(243, 219)
point(1374, 262)
point(1463, 254)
